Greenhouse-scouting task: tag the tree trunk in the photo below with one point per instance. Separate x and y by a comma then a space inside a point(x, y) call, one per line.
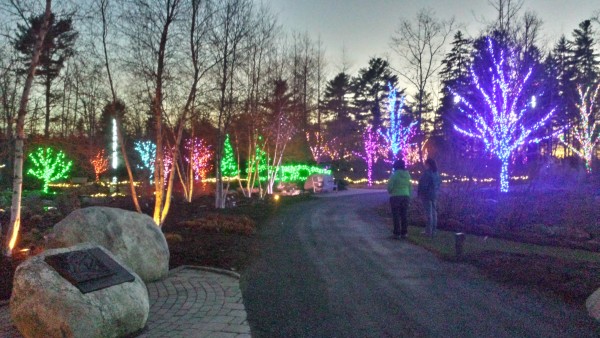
point(15, 209)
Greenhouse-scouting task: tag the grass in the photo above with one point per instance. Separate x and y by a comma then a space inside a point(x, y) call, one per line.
point(443, 244)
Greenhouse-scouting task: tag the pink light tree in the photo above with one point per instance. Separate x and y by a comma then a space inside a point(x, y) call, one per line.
point(584, 132)
point(372, 151)
point(499, 114)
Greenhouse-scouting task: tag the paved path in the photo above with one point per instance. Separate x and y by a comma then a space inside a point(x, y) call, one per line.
point(330, 269)
point(191, 302)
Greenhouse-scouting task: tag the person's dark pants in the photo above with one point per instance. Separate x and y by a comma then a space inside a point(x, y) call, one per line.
point(399, 206)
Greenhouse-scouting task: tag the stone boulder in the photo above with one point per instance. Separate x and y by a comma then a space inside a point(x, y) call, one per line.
point(133, 237)
point(593, 305)
point(44, 304)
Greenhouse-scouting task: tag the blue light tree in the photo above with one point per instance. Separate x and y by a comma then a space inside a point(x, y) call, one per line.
point(147, 151)
point(396, 135)
point(499, 111)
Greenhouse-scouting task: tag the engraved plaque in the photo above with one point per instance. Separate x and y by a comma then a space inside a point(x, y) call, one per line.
point(89, 270)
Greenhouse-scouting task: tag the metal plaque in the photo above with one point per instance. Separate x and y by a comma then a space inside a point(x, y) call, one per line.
point(89, 270)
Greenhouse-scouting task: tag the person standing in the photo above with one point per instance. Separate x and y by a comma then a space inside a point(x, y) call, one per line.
point(399, 188)
point(428, 188)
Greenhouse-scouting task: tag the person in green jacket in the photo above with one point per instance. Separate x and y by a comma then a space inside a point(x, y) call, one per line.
point(399, 187)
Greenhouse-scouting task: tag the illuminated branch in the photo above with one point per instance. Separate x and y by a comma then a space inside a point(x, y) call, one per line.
point(396, 135)
point(199, 158)
point(501, 121)
point(229, 166)
point(584, 131)
point(147, 151)
point(100, 164)
point(372, 151)
point(48, 166)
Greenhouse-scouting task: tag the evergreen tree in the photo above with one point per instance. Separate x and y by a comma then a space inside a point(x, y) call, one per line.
point(371, 90)
point(454, 74)
point(584, 60)
point(560, 91)
point(57, 48)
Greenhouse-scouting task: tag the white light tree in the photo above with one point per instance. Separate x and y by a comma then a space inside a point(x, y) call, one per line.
point(499, 112)
point(396, 135)
point(586, 131)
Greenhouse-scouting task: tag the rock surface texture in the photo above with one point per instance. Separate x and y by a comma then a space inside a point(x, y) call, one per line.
point(593, 304)
point(44, 304)
point(133, 237)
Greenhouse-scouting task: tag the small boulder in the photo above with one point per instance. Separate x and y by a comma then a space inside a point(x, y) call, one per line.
point(132, 237)
point(593, 305)
point(44, 304)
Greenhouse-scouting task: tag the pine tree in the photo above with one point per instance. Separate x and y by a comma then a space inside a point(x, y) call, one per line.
point(371, 90)
point(584, 58)
point(454, 74)
point(57, 48)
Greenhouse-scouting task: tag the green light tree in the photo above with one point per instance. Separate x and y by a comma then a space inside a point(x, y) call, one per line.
point(49, 166)
point(229, 167)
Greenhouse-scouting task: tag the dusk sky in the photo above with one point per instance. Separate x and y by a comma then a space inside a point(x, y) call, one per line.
point(364, 27)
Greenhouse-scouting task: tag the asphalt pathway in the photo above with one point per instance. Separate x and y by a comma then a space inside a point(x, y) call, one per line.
point(329, 268)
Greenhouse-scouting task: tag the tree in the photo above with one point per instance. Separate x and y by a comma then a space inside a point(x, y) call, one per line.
point(49, 166)
point(584, 57)
point(229, 166)
point(586, 131)
point(56, 49)
point(397, 136)
point(371, 151)
point(370, 90)
point(99, 163)
point(15, 209)
point(280, 130)
point(420, 45)
point(232, 27)
point(113, 114)
point(499, 112)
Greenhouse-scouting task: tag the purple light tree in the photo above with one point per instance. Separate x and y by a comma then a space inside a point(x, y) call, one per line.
point(584, 131)
point(372, 151)
point(397, 136)
point(503, 119)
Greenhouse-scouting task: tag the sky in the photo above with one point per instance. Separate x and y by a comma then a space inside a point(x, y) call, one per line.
point(363, 28)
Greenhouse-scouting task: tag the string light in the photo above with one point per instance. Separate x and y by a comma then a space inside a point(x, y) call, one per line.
point(372, 151)
point(501, 121)
point(49, 166)
point(200, 156)
point(229, 166)
point(396, 135)
point(584, 131)
point(100, 164)
point(147, 151)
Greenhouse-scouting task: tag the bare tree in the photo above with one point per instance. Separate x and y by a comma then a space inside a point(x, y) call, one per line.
point(507, 15)
point(420, 44)
point(15, 210)
point(103, 6)
point(232, 26)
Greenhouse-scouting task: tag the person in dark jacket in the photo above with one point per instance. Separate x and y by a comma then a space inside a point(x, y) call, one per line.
point(428, 189)
point(399, 187)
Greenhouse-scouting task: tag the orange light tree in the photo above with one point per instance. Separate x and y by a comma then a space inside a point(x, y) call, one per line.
point(100, 164)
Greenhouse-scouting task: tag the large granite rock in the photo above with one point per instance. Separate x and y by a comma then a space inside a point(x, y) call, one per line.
point(133, 237)
point(593, 304)
point(44, 304)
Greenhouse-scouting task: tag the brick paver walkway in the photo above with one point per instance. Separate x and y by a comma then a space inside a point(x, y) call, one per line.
point(191, 302)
